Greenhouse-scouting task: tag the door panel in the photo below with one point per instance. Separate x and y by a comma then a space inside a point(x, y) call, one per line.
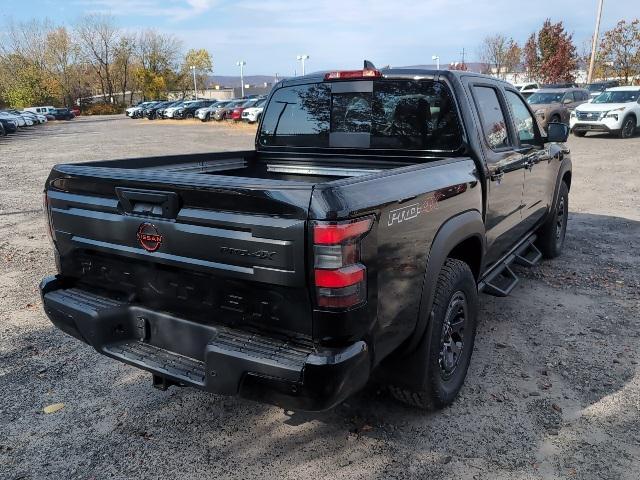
point(506, 170)
point(539, 170)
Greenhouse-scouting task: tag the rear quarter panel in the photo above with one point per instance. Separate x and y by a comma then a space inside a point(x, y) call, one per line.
point(410, 205)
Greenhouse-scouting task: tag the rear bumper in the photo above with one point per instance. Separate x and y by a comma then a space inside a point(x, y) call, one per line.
point(287, 372)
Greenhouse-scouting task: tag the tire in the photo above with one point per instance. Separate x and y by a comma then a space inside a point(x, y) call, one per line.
point(189, 116)
point(579, 133)
point(551, 235)
point(555, 118)
point(628, 127)
point(456, 297)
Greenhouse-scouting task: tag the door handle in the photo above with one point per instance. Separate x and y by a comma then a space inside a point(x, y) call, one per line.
point(497, 176)
point(148, 202)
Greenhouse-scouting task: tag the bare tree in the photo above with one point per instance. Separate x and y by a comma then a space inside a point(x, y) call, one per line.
point(123, 64)
point(62, 55)
point(158, 55)
point(99, 37)
point(620, 48)
point(23, 64)
point(499, 54)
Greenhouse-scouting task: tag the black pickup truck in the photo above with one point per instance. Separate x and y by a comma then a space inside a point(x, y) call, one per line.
point(349, 246)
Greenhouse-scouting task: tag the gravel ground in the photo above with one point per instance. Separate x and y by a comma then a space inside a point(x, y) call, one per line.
point(553, 390)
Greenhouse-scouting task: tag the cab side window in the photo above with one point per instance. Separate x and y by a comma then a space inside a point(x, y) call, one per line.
point(524, 121)
point(494, 125)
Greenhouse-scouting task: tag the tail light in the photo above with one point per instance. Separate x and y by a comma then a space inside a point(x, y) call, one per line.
point(340, 278)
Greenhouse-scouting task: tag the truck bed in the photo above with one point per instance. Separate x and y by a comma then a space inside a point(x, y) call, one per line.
point(248, 165)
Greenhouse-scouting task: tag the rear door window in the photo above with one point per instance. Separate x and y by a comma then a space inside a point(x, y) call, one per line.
point(492, 117)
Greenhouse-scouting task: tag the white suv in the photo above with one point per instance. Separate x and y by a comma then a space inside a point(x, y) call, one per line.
point(253, 114)
point(616, 110)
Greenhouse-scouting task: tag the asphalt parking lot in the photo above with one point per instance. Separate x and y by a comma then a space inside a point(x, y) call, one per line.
point(553, 390)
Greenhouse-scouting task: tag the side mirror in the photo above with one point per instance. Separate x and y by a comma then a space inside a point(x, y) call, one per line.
point(558, 132)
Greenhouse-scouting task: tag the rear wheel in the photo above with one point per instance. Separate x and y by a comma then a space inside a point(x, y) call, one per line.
point(455, 309)
point(551, 235)
point(628, 128)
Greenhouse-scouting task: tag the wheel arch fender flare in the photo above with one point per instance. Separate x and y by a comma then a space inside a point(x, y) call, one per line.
point(452, 233)
point(631, 114)
point(565, 168)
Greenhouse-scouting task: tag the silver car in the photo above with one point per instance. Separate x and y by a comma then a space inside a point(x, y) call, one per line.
point(206, 113)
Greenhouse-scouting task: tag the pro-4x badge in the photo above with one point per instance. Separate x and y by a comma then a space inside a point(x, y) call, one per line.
point(149, 237)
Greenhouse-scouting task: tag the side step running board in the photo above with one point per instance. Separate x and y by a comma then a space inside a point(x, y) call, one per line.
point(528, 255)
point(502, 279)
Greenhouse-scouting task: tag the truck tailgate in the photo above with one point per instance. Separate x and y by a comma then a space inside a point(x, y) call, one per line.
point(184, 241)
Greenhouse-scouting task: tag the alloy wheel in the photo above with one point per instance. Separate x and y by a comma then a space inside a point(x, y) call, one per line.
point(561, 221)
point(452, 336)
point(628, 128)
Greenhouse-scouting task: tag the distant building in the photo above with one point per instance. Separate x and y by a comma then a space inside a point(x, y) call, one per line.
point(218, 92)
point(262, 89)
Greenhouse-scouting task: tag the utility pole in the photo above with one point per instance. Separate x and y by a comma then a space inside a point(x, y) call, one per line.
point(437, 59)
point(241, 64)
point(462, 54)
point(195, 88)
point(594, 44)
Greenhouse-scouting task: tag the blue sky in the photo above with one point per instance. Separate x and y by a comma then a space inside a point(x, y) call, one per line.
point(268, 34)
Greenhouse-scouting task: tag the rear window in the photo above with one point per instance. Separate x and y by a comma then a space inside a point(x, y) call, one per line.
point(384, 114)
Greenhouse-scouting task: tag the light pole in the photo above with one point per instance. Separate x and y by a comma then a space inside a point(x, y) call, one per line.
point(241, 64)
point(302, 58)
point(437, 59)
point(195, 88)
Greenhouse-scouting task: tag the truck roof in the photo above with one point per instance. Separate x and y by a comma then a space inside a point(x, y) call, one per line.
point(629, 88)
point(397, 72)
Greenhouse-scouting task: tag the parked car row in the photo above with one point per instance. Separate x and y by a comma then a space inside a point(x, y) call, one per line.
point(243, 109)
point(12, 120)
point(603, 107)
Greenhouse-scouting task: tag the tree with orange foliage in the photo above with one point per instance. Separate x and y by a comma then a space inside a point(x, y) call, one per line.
point(550, 55)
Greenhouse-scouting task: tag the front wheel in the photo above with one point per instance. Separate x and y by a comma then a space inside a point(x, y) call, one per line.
point(451, 340)
point(551, 235)
point(628, 128)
